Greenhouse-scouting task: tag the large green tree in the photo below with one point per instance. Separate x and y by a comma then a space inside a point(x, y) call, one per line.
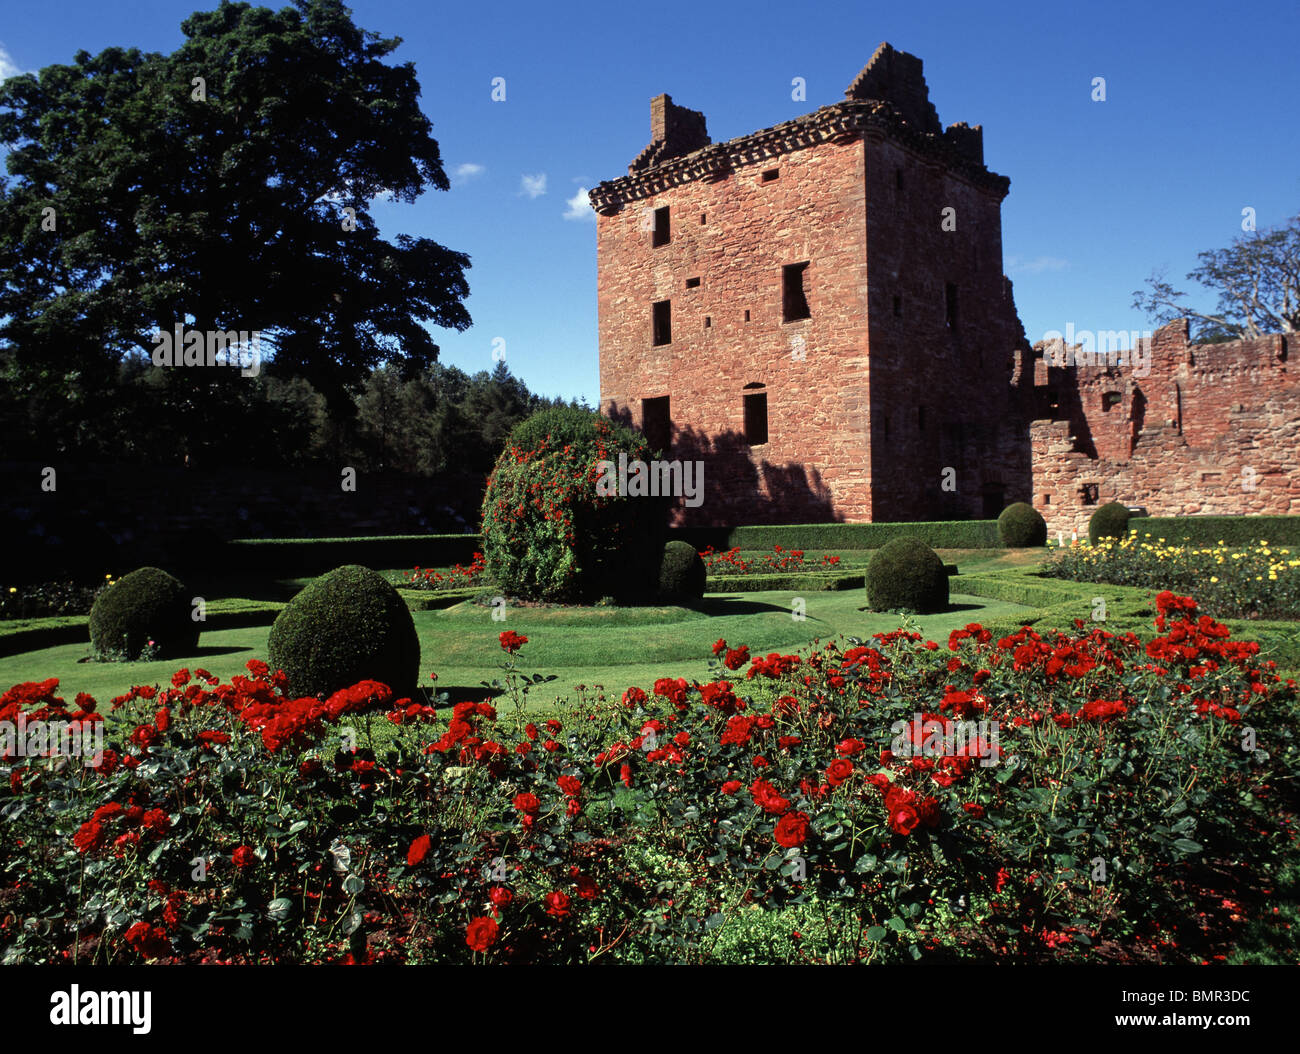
point(220, 204)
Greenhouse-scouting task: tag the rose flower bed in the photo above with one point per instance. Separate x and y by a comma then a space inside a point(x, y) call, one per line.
point(732, 563)
point(1065, 798)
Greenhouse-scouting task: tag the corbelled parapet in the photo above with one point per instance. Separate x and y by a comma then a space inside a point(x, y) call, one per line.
point(888, 99)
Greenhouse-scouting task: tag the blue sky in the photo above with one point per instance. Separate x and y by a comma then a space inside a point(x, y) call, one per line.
point(1198, 123)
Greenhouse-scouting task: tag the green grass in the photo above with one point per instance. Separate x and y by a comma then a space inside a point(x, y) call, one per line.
point(613, 647)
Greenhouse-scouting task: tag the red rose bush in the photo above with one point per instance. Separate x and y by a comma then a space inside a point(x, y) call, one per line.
point(1025, 798)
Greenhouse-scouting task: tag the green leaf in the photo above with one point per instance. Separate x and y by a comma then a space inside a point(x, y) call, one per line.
point(876, 933)
point(1186, 845)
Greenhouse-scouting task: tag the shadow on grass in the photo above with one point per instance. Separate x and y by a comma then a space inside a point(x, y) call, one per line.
point(946, 611)
point(733, 605)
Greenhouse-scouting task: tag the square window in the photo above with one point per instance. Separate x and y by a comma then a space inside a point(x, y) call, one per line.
point(1090, 493)
point(771, 174)
point(692, 283)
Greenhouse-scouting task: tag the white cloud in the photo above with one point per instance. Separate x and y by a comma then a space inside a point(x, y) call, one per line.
point(464, 173)
point(579, 207)
point(533, 186)
point(1038, 265)
point(8, 67)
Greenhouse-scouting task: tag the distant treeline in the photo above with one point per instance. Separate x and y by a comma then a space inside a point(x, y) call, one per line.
point(418, 423)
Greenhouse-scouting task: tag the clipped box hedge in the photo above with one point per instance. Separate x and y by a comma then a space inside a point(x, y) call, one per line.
point(1210, 530)
point(939, 534)
point(807, 581)
point(295, 557)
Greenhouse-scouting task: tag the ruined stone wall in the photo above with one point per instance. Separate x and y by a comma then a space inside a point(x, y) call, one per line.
point(1179, 429)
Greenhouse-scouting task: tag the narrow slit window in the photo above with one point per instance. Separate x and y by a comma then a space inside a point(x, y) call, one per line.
point(708, 322)
point(703, 216)
point(746, 314)
point(794, 301)
point(663, 322)
point(755, 418)
point(661, 226)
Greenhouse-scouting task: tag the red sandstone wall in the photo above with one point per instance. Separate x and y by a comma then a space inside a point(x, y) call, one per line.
point(1211, 429)
point(960, 377)
point(815, 465)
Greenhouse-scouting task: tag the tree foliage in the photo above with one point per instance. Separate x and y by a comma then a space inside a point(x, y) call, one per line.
point(1256, 279)
point(218, 204)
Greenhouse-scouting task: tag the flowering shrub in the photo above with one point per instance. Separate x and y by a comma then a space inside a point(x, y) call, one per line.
point(457, 578)
point(1028, 798)
point(1259, 581)
point(731, 562)
point(548, 531)
point(50, 598)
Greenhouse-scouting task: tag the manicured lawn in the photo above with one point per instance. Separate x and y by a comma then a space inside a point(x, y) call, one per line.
point(614, 647)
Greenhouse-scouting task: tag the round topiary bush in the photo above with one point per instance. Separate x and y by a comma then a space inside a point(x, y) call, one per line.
point(1021, 526)
point(146, 605)
point(568, 516)
point(907, 574)
point(347, 626)
point(682, 574)
point(1109, 521)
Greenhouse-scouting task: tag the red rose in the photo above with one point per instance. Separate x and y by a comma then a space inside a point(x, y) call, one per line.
point(903, 819)
point(557, 904)
point(527, 802)
point(731, 786)
point(792, 830)
point(587, 888)
point(500, 896)
point(570, 785)
point(974, 808)
point(480, 934)
point(838, 771)
point(573, 807)
point(766, 797)
point(243, 857)
point(419, 850)
point(512, 641)
point(625, 775)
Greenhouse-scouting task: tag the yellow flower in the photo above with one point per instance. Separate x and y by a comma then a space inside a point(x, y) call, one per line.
point(13, 589)
point(1214, 578)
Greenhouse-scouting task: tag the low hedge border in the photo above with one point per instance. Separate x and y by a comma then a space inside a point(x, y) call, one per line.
point(294, 557)
point(32, 634)
point(1210, 530)
point(815, 537)
point(809, 581)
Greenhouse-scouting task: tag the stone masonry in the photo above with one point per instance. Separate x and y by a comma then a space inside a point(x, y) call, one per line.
point(817, 312)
